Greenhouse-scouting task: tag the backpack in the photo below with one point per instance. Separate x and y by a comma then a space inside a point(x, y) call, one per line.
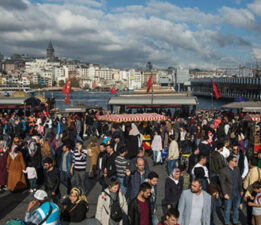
point(116, 211)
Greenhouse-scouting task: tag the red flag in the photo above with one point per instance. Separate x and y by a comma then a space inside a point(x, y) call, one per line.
point(149, 84)
point(67, 99)
point(216, 91)
point(113, 90)
point(67, 87)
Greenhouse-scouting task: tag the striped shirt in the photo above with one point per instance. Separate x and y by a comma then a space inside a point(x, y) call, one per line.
point(120, 164)
point(79, 160)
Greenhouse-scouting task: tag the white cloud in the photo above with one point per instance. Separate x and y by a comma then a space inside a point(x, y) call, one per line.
point(255, 7)
point(124, 37)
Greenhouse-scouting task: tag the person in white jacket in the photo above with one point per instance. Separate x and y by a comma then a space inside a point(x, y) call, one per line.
point(156, 147)
point(104, 205)
point(173, 154)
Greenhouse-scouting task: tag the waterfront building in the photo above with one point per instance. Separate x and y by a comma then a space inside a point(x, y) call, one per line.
point(134, 79)
point(149, 66)
point(104, 73)
point(181, 77)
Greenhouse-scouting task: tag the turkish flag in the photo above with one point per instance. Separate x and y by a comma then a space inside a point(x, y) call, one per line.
point(149, 84)
point(67, 99)
point(113, 90)
point(67, 87)
point(216, 91)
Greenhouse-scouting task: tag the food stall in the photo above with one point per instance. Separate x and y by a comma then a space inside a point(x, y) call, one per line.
point(254, 120)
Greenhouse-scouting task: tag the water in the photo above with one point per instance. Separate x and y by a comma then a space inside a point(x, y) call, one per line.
point(101, 98)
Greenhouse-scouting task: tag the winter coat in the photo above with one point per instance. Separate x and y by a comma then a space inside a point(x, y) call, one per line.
point(103, 209)
point(134, 212)
point(253, 176)
point(173, 192)
point(156, 144)
point(217, 162)
point(173, 150)
point(133, 183)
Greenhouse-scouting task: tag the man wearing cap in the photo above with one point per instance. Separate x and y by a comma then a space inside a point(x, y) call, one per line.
point(47, 212)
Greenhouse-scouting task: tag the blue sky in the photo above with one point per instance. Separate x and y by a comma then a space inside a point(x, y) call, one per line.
point(128, 33)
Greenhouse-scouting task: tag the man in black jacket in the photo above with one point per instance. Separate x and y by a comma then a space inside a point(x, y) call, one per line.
point(51, 180)
point(101, 165)
point(138, 210)
point(110, 168)
point(231, 185)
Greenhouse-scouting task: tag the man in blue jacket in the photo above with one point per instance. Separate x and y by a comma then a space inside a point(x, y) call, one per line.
point(134, 179)
point(65, 167)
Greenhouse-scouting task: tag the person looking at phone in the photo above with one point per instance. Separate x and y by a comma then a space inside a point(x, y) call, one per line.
point(121, 164)
point(46, 213)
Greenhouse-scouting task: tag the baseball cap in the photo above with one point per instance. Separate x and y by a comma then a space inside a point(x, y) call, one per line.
point(40, 195)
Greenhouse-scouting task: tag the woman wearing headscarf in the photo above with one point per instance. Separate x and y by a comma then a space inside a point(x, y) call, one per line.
point(133, 141)
point(15, 166)
point(173, 189)
point(74, 207)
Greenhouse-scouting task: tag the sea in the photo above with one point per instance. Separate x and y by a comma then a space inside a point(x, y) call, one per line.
point(101, 99)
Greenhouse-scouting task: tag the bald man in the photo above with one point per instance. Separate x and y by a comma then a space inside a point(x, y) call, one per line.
point(134, 179)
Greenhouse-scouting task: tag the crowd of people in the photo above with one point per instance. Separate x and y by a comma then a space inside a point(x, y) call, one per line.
point(211, 152)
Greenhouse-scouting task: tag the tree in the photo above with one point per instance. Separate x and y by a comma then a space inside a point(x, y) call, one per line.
point(74, 82)
point(61, 83)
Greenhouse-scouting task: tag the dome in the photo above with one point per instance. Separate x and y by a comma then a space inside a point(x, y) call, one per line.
point(41, 98)
point(20, 94)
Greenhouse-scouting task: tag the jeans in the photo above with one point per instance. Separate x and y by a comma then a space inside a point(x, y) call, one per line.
point(233, 201)
point(154, 219)
point(32, 183)
point(172, 165)
point(215, 202)
point(122, 187)
point(78, 179)
point(155, 156)
point(65, 178)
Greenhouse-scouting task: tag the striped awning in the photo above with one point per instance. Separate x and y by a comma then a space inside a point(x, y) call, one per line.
point(118, 118)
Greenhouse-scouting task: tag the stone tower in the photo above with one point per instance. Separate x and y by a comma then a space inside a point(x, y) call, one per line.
point(50, 51)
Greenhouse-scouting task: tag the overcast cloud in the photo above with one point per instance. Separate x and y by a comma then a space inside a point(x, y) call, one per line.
point(160, 32)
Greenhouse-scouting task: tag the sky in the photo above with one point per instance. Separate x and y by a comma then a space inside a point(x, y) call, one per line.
point(128, 33)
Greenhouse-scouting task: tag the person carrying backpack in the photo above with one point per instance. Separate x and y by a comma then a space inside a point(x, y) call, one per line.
point(112, 205)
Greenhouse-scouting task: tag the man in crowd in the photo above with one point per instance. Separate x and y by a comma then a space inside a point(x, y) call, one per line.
point(231, 186)
point(110, 168)
point(194, 205)
point(139, 207)
point(101, 165)
point(65, 167)
point(51, 180)
point(242, 162)
point(78, 168)
point(134, 179)
point(153, 181)
point(46, 213)
point(140, 154)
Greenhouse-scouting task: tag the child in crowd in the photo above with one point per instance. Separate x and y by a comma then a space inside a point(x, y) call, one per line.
point(256, 219)
point(32, 176)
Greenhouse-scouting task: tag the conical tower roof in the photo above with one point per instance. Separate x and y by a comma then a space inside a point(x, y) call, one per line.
point(50, 46)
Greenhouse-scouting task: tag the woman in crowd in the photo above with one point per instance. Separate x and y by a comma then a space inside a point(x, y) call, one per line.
point(74, 207)
point(156, 147)
point(105, 211)
point(173, 190)
point(15, 166)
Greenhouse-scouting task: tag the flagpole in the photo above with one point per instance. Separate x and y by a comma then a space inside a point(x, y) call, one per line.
point(212, 102)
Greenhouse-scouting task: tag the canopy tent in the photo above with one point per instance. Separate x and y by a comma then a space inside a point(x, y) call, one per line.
point(253, 117)
point(118, 118)
point(155, 101)
point(241, 105)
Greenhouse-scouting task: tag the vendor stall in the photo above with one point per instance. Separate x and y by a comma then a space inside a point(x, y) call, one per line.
point(254, 120)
